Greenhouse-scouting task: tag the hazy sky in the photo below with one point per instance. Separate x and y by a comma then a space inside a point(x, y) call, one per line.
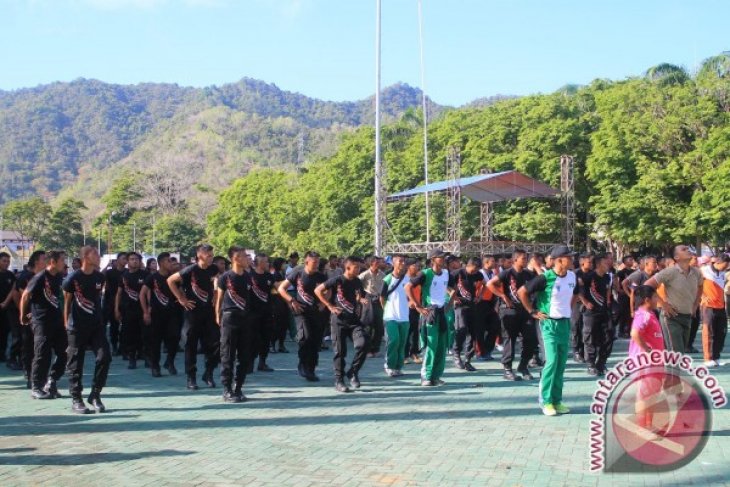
point(325, 48)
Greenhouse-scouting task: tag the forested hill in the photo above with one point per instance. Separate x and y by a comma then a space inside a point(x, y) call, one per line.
point(55, 135)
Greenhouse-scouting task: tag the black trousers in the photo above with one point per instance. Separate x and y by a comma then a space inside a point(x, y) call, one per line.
point(165, 328)
point(694, 327)
point(236, 346)
point(624, 314)
point(714, 332)
point(309, 338)
point(16, 333)
point(464, 332)
point(340, 331)
point(200, 325)
point(114, 326)
point(131, 332)
point(516, 322)
point(282, 314)
point(487, 326)
point(262, 322)
point(79, 339)
point(576, 329)
point(27, 349)
point(49, 337)
point(4, 332)
point(595, 337)
point(378, 329)
point(412, 345)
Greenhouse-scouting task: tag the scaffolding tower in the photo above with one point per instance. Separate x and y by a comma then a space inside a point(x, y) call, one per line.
point(567, 198)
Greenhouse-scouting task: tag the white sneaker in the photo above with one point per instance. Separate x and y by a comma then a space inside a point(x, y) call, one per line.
point(710, 364)
point(390, 372)
point(499, 348)
point(721, 363)
point(398, 373)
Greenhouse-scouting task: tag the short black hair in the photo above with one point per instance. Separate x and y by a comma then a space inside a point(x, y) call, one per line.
point(204, 247)
point(722, 257)
point(162, 256)
point(34, 257)
point(139, 256)
point(644, 292)
point(310, 255)
point(278, 263)
point(259, 257)
point(294, 255)
point(626, 257)
point(517, 253)
point(352, 259)
point(121, 254)
point(4, 254)
point(598, 258)
point(55, 255)
point(233, 250)
point(476, 261)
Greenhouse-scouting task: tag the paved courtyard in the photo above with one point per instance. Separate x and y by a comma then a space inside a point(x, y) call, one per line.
point(477, 430)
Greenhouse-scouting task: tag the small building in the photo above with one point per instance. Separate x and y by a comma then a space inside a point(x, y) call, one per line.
point(16, 242)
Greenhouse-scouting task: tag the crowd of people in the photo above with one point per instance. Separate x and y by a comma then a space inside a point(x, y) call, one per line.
point(238, 308)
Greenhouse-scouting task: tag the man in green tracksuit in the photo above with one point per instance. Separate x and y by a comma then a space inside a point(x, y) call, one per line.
point(395, 315)
point(556, 290)
point(436, 284)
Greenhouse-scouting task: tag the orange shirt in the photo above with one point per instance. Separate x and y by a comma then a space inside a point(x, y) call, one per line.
point(713, 288)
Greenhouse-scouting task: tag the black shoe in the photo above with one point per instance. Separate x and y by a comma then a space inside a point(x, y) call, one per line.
point(14, 365)
point(95, 401)
point(354, 379)
point(592, 371)
point(457, 361)
point(510, 375)
point(208, 378)
point(115, 350)
point(237, 392)
point(192, 384)
point(170, 367)
point(578, 358)
point(312, 377)
point(28, 384)
point(230, 396)
point(39, 394)
point(341, 387)
point(469, 367)
point(52, 389)
point(78, 406)
point(601, 371)
point(526, 375)
point(156, 372)
point(146, 364)
point(132, 364)
point(301, 371)
point(282, 349)
point(263, 367)
point(691, 350)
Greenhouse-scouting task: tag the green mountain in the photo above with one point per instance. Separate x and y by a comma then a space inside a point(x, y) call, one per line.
point(78, 135)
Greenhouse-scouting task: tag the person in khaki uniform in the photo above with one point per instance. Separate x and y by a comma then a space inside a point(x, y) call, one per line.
point(683, 286)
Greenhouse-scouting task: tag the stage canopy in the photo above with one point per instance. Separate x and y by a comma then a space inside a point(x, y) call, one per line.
point(488, 188)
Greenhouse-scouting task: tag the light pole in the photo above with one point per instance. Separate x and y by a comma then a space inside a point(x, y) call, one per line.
point(109, 237)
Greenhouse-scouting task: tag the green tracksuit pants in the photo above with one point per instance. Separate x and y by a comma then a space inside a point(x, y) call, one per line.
point(450, 320)
point(396, 334)
point(434, 341)
point(556, 336)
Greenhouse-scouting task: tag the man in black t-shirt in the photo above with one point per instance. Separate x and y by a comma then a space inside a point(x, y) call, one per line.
point(345, 293)
point(624, 312)
point(111, 284)
point(7, 282)
point(515, 320)
point(36, 263)
point(161, 318)
point(468, 286)
point(233, 302)
point(128, 308)
point(576, 318)
point(193, 288)
point(307, 312)
point(40, 307)
point(262, 311)
point(595, 295)
point(83, 317)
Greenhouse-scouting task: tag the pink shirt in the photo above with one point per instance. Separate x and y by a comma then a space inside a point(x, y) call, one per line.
point(649, 329)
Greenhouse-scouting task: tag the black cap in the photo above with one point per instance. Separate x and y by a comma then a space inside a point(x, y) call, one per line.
point(436, 253)
point(561, 251)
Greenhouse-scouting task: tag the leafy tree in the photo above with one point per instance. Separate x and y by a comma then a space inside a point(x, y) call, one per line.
point(27, 217)
point(64, 228)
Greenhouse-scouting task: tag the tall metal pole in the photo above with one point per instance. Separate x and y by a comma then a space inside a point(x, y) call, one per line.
point(378, 163)
point(425, 119)
point(154, 236)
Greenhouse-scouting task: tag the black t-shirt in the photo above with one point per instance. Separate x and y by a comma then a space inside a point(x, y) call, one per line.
point(344, 294)
point(304, 285)
point(596, 289)
point(466, 285)
point(161, 298)
point(7, 281)
point(511, 281)
point(198, 285)
point(86, 304)
point(236, 291)
point(131, 284)
point(45, 297)
point(22, 280)
point(261, 285)
point(112, 277)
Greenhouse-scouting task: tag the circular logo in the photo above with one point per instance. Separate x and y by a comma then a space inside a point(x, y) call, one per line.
point(661, 418)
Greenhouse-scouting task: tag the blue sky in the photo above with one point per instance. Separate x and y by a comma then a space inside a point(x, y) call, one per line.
point(325, 48)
